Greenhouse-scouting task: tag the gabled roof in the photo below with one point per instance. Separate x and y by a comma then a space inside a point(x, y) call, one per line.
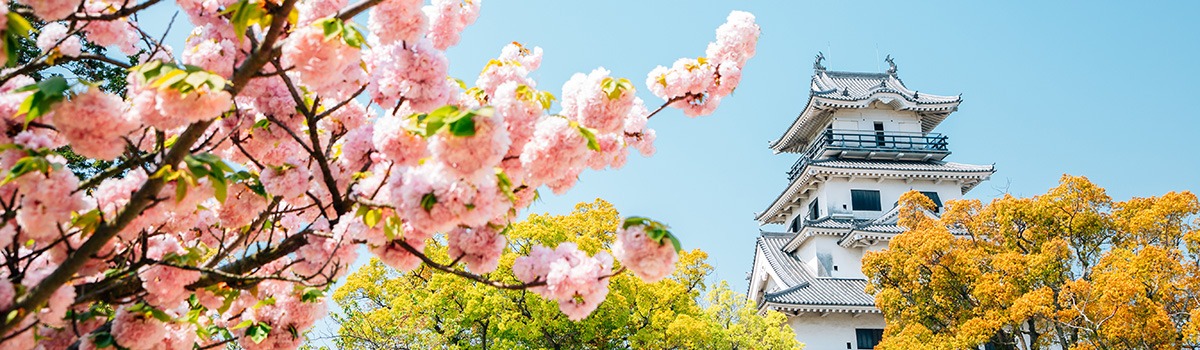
point(801, 288)
point(970, 176)
point(830, 91)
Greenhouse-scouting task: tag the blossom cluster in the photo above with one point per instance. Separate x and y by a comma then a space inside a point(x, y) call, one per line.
point(247, 177)
point(698, 85)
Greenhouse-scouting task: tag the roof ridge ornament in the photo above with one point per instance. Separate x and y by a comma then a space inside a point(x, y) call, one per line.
point(817, 64)
point(891, 64)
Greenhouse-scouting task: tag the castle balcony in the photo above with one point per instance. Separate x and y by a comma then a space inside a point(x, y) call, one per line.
point(873, 145)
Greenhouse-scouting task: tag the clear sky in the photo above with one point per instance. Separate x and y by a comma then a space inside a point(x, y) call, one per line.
point(1102, 89)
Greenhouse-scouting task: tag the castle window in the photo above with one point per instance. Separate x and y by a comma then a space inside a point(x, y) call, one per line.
point(814, 210)
point(868, 338)
point(879, 134)
point(867, 200)
point(933, 196)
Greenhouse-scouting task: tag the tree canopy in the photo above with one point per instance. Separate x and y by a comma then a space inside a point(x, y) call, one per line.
point(1070, 268)
point(387, 309)
point(206, 196)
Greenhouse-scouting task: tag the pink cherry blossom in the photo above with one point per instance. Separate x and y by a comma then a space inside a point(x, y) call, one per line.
point(479, 248)
point(448, 18)
point(47, 203)
point(556, 154)
point(52, 10)
point(313, 10)
point(397, 257)
point(578, 282)
point(324, 254)
point(520, 114)
point(465, 156)
point(585, 100)
point(100, 134)
point(649, 260)
point(167, 108)
point(514, 65)
point(137, 330)
point(120, 33)
point(241, 206)
point(401, 146)
point(318, 62)
point(166, 285)
point(210, 49)
point(411, 72)
point(180, 336)
point(288, 183)
point(54, 36)
point(397, 20)
point(736, 41)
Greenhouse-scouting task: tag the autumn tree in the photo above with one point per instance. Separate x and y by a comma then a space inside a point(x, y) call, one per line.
point(250, 165)
point(387, 309)
point(1067, 269)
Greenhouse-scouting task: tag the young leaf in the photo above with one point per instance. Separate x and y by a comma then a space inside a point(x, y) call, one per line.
point(258, 332)
point(590, 135)
point(428, 201)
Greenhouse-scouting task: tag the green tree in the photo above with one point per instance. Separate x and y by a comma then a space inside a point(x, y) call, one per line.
point(385, 309)
point(1067, 269)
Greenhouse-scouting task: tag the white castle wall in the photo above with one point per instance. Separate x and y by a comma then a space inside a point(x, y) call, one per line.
point(832, 331)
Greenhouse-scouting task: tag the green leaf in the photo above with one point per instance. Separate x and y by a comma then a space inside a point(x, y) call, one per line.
point(243, 324)
point(312, 295)
point(103, 340)
point(428, 201)
point(372, 217)
point(56, 85)
point(258, 332)
point(168, 79)
point(181, 188)
point(17, 25)
point(221, 190)
point(197, 79)
point(463, 127)
point(244, 14)
point(590, 135)
point(264, 302)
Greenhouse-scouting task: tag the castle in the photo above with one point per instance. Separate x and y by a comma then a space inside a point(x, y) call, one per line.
point(863, 139)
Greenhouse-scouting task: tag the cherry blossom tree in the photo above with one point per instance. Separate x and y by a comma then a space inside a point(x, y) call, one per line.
point(252, 164)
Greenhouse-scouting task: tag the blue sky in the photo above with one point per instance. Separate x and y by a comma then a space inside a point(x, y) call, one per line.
point(1099, 89)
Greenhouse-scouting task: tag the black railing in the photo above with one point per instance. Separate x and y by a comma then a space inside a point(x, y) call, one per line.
point(869, 141)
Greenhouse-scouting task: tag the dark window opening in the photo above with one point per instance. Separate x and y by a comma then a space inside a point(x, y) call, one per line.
point(868, 338)
point(879, 138)
point(814, 210)
point(933, 196)
point(795, 226)
point(867, 200)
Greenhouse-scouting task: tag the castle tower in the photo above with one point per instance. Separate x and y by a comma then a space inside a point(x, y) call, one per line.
point(863, 139)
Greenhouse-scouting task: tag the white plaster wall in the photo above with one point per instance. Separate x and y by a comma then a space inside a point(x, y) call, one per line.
point(837, 193)
point(864, 119)
point(833, 331)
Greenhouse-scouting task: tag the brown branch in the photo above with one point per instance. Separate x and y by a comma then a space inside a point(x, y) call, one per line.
point(39, 294)
point(258, 58)
point(121, 13)
point(356, 9)
point(451, 270)
point(665, 104)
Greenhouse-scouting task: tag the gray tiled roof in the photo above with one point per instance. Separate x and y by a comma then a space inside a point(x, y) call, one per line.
point(831, 90)
point(801, 287)
point(902, 165)
point(855, 86)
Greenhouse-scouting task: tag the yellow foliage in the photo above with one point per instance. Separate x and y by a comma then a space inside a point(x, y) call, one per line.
point(1067, 269)
point(382, 308)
